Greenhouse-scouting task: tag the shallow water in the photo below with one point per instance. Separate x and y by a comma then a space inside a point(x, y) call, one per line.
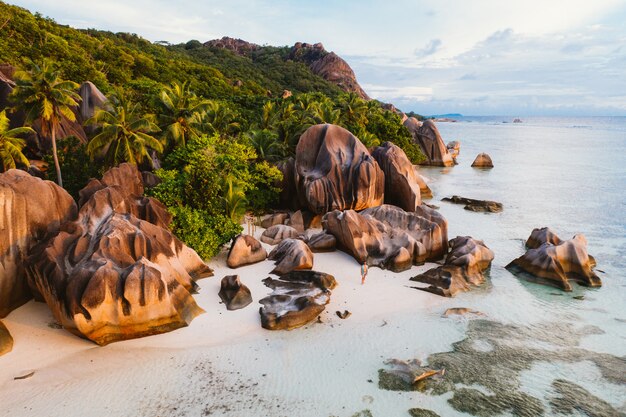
point(569, 174)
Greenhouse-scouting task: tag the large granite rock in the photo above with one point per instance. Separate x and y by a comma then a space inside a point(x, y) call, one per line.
point(482, 161)
point(6, 341)
point(402, 186)
point(111, 275)
point(30, 210)
point(274, 219)
point(334, 171)
point(550, 260)
point(277, 233)
point(388, 237)
point(233, 293)
point(291, 255)
point(427, 136)
point(92, 99)
point(464, 267)
point(299, 297)
point(303, 220)
point(245, 250)
point(484, 206)
point(425, 190)
point(322, 242)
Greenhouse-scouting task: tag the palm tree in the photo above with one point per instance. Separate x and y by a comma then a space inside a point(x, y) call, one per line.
point(182, 115)
point(234, 200)
point(10, 145)
point(353, 111)
point(266, 144)
point(125, 134)
point(42, 94)
point(219, 118)
point(327, 113)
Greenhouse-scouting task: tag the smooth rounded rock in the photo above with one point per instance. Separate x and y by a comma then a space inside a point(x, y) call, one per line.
point(233, 293)
point(245, 250)
point(482, 161)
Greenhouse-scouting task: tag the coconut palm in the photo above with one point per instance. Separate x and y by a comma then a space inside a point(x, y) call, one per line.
point(327, 113)
point(353, 111)
point(125, 134)
point(182, 114)
point(42, 94)
point(234, 200)
point(11, 145)
point(219, 118)
point(266, 144)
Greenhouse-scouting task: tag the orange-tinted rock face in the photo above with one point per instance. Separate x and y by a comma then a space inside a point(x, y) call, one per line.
point(6, 341)
point(111, 275)
point(30, 209)
point(555, 262)
point(402, 186)
point(464, 266)
point(427, 136)
point(291, 255)
point(334, 171)
point(482, 161)
point(245, 250)
point(388, 237)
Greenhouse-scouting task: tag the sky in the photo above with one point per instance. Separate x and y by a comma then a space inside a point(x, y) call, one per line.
point(474, 57)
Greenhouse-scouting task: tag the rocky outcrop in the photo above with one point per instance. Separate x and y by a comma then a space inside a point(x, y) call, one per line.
point(303, 220)
point(6, 87)
point(454, 148)
point(277, 233)
point(322, 242)
point(427, 136)
point(425, 190)
point(117, 272)
point(233, 293)
point(388, 237)
point(6, 340)
point(464, 266)
point(92, 99)
point(30, 210)
point(327, 65)
point(550, 260)
point(482, 161)
point(291, 255)
point(299, 297)
point(238, 46)
point(402, 187)
point(274, 219)
point(476, 205)
point(334, 171)
point(245, 250)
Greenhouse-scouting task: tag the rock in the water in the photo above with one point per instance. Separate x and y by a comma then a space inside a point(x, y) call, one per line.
point(464, 266)
point(388, 237)
point(277, 233)
point(334, 171)
point(454, 148)
point(409, 374)
point(482, 161)
point(402, 187)
point(274, 219)
point(461, 311)
point(422, 412)
point(291, 255)
point(110, 275)
point(298, 298)
point(322, 242)
point(555, 262)
point(476, 205)
point(427, 136)
point(6, 341)
point(233, 293)
point(30, 209)
point(245, 250)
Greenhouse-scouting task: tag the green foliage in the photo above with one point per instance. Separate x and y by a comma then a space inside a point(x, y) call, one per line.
point(11, 144)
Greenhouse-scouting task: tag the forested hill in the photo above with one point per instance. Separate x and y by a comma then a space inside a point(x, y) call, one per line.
point(123, 59)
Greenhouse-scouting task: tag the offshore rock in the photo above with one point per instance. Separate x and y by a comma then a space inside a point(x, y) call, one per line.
point(464, 267)
point(402, 186)
point(334, 171)
point(245, 250)
point(291, 255)
point(110, 275)
point(427, 136)
point(299, 297)
point(277, 233)
point(476, 205)
point(482, 161)
point(556, 262)
point(388, 237)
point(454, 148)
point(30, 210)
point(233, 293)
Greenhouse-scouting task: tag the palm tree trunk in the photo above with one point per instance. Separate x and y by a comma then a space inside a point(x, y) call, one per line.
point(57, 167)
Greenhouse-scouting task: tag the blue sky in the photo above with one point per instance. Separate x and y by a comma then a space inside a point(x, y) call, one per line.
point(479, 57)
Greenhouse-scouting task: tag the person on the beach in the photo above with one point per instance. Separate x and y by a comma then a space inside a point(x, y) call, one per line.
point(363, 273)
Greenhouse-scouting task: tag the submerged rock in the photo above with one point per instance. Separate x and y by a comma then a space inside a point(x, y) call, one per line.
point(555, 262)
point(111, 275)
point(6, 341)
point(421, 412)
point(245, 250)
point(388, 237)
point(334, 171)
point(475, 205)
point(464, 266)
point(482, 161)
point(299, 297)
point(30, 210)
point(401, 184)
point(461, 311)
point(405, 375)
point(291, 255)
point(571, 398)
point(427, 136)
point(233, 293)
point(277, 233)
